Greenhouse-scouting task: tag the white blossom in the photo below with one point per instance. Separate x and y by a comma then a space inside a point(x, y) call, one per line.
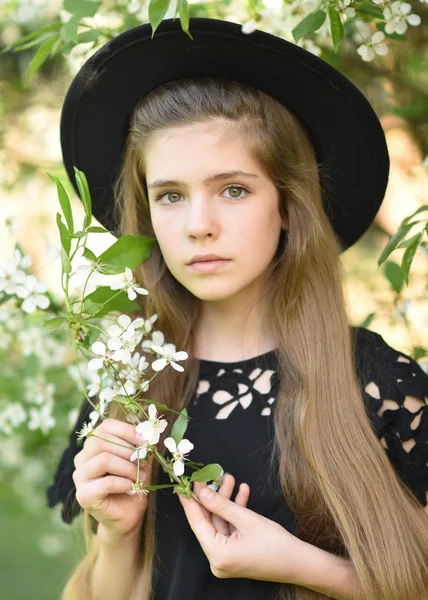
point(130, 285)
point(41, 418)
point(38, 391)
point(98, 413)
point(151, 429)
point(249, 26)
point(85, 431)
point(169, 356)
point(158, 338)
point(11, 276)
point(137, 488)
point(124, 338)
point(12, 416)
point(33, 290)
point(140, 452)
point(397, 17)
point(178, 452)
point(375, 46)
point(131, 375)
point(100, 350)
point(9, 225)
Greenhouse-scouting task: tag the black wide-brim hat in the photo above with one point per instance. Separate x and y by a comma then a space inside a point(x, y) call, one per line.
point(345, 130)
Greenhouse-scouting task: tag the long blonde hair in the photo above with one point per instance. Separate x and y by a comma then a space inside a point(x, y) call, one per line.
point(334, 473)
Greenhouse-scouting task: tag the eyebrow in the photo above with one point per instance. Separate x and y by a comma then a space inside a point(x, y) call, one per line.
point(218, 177)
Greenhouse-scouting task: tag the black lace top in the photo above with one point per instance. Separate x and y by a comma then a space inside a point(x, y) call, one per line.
point(232, 425)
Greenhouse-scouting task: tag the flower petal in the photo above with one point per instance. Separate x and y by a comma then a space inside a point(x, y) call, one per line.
point(114, 331)
point(170, 444)
point(95, 364)
point(176, 366)
point(178, 468)
point(98, 348)
point(152, 411)
point(159, 364)
point(124, 321)
point(158, 349)
point(185, 446)
point(182, 355)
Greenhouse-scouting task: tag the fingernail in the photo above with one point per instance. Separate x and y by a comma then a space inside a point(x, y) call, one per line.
point(206, 493)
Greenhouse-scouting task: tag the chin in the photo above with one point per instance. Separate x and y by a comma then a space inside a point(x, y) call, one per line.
point(213, 291)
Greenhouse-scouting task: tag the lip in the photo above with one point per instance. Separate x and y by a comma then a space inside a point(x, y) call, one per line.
point(205, 257)
point(207, 266)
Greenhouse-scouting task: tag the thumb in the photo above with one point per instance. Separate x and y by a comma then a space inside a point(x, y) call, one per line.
point(222, 507)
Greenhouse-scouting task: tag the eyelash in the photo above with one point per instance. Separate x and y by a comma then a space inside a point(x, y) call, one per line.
point(241, 187)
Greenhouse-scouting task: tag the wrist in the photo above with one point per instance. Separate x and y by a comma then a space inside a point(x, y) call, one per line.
point(327, 573)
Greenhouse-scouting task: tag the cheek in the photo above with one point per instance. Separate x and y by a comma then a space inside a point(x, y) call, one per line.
point(259, 235)
point(164, 232)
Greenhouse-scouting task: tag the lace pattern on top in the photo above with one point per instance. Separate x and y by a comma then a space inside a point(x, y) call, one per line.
point(395, 389)
point(241, 389)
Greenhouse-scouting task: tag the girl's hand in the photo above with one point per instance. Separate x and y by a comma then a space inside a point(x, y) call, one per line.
point(103, 475)
point(237, 541)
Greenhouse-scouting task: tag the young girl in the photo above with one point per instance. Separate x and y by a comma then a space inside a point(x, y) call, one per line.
point(321, 427)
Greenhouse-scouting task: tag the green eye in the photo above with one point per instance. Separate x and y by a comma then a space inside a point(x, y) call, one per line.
point(236, 188)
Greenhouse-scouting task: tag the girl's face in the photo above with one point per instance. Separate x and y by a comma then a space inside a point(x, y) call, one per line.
point(198, 206)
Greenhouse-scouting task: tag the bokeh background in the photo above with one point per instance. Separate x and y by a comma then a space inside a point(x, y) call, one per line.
point(37, 550)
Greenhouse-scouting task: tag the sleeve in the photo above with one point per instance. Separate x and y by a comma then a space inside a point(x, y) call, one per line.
point(395, 392)
point(63, 489)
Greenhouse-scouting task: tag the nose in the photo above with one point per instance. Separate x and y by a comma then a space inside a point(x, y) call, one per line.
point(202, 220)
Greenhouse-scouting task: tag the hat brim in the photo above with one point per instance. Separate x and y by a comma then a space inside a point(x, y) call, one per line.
point(345, 130)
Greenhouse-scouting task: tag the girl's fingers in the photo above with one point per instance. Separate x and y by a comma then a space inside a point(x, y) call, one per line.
point(197, 486)
point(108, 463)
point(241, 499)
point(226, 490)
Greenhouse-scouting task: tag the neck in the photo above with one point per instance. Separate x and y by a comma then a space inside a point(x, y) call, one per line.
point(233, 329)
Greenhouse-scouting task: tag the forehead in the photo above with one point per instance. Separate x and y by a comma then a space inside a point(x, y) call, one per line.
point(197, 149)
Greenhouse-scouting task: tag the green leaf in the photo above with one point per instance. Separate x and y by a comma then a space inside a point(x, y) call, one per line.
point(336, 27)
point(66, 264)
point(394, 241)
point(92, 308)
point(85, 195)
point(83, 8)
point(53, 323)
point(37, 42)
point(367, 320)
point(370, 10)
point(91, 35)
point(128, 251)
point(157, 11)
point(418, 352)
point(40, 56)
point(107, 300)
point(394, 274)
point(309, 24)
point(89, 255)
point(408, 256)
point(419, 210)
point(180, 426)
point(64, 235)
point(69, 31)
point(208, 473)
point(409, 241)
point(31, 36)
point(79, 234)
point(97, 230)
point(183, 10)
point(64, 202)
